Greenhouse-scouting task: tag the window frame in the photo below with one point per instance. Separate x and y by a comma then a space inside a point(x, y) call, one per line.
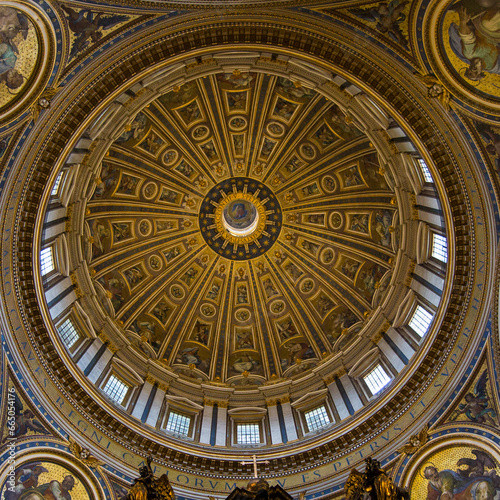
point(370, 370)
point(412, 317)
point(324, 406)
point(190, 427)
point(426, 171)
point(126, 396)
point(434, 235)
point(253, 423)
point(48, 248)
point(79, 337)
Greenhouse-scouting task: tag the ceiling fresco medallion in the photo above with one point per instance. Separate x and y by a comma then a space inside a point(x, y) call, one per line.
point(26, 58)
point(240, 218)
point(471, 42)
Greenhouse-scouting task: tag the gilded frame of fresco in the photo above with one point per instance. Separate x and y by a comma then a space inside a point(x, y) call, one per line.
point(447, 55)
point(58, 464)
point(37, 31)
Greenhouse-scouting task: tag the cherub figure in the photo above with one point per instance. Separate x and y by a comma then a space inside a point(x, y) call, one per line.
point(477, 405)
point(435, 89)
point(388, 18)
point(86, 25)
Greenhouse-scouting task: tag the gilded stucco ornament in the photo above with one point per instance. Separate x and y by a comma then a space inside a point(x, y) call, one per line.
point(435, 89)
point(416, 441)
point(83, 454)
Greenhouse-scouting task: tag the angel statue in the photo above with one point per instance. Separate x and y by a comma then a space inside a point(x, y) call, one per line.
point(374, 484)
point(149, 487)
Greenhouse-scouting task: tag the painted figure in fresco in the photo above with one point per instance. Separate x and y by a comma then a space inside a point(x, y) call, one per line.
point(492, 140)
point(169, 196)
point(236, 80)
point(51, 491)
point(237, 100)
point(297, 350)
point(325, 136)
point(343, 320)
point(24, 421)
point(267, 147)
point(152, 143)
point(477, 406)
point(100, 234)
point(328, 256)
point(310, 190)
point(293, 271)
point(352, 177)
point(190, 356)
point(26, 477)
point(293, 165)
point(315, 219)
point(245, 364)
point(190, 113)
point(162, 225)
point(172, 253)
point(324, 305)
point(162, 311)
point(3, 145)
point(284, 109)
point(214, 292)
point(310, 247)
point(115, 287)
point(121, 231)
point(147, 331)
point(269, 288)
point(287, 329)
point(349, 268)
point(189, 276)
point(476, 41)
point(371, 277)
point(383, 219)
point(109, 178)
point(11, 24)
point(137, 129)
point(308, 151)
point(342, 126)
point(463, 484)
point(128, 184)
point(359, 223)
point(242, 294)
point(329, 183)
point(200, 333)
point(239, 211)
point(388, 18)
point(209, 149)
point(86, 25)
point(185, 169)
point(134, 275)
point(292, 89)
point(244, 340)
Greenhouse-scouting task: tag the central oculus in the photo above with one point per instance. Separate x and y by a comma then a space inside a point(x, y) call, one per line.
point(240, 218)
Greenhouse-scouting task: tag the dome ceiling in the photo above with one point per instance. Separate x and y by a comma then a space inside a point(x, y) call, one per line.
point(241, 229)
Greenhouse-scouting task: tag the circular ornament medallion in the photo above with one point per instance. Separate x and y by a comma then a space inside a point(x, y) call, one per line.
point(240, 218)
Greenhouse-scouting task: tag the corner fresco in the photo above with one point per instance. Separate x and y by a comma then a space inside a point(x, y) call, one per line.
point(42, 480)
point(457, 473)
point(471, 40)
point(19, 51)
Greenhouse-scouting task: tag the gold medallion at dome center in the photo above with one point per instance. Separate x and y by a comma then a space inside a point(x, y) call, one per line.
point(255, 227)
